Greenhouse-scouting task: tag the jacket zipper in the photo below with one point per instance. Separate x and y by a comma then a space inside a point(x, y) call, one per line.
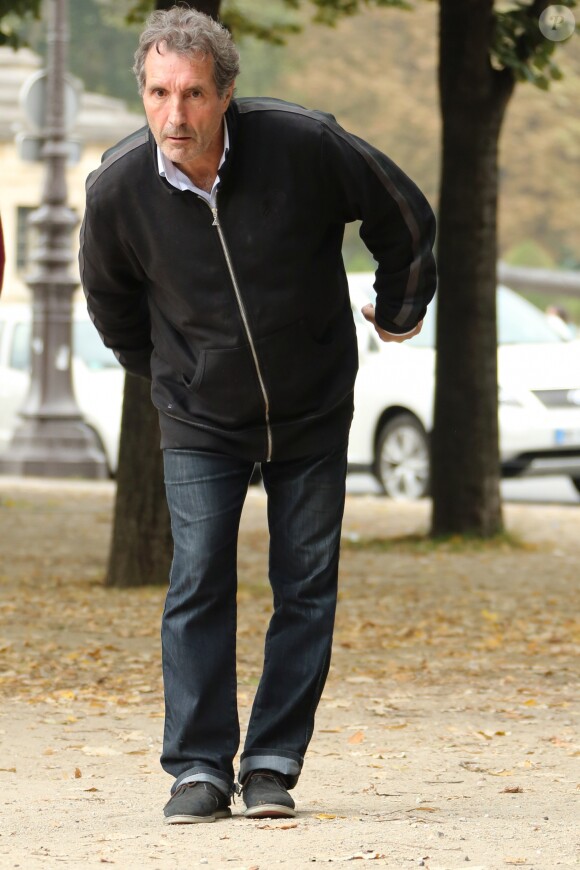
point(245, 321)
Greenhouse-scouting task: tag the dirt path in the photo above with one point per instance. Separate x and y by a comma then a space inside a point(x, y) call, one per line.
point(447, 736)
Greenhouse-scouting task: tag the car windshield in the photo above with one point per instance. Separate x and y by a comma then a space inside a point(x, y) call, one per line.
point(87, 346)
point(519, 322)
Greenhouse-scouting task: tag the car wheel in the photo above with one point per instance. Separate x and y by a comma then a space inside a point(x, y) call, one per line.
point(576, 482)
point(402, 458)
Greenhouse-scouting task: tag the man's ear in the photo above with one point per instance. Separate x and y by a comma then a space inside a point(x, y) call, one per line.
point(228, 95)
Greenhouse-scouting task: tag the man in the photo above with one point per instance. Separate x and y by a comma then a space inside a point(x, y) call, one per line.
point(211, 261)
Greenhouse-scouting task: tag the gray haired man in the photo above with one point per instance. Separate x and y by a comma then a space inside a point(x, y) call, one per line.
point(211, 261)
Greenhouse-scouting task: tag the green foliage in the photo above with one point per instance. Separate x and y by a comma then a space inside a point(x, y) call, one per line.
point(330, 11)
point(139, 10)
point(241, 18)
point(519, 45)
point(530, 253)
point(95, 22)
point(13, 13)
point(242, 24)
point(417, 544)
point(247, 19)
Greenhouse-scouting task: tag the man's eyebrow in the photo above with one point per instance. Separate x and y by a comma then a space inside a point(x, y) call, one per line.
point(196, 86)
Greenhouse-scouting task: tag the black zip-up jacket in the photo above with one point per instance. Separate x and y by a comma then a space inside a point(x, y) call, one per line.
point(240, 314)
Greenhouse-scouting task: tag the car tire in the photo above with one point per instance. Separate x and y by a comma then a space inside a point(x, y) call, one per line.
point(402, 458)
point(576, 483)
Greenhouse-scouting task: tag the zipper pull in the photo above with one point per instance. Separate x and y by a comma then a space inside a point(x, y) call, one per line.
point(215, 216)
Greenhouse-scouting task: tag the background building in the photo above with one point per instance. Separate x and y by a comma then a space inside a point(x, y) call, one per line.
point(101, 122)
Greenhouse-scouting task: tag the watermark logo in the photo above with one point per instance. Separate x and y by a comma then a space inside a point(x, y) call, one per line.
point(557, 23)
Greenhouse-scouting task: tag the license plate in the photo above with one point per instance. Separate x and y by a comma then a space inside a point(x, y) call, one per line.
point(567, 437)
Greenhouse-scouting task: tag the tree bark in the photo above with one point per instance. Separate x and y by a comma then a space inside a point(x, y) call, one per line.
point(141, 544)
point(141, 541)
point(465, 449)
point(210, 7)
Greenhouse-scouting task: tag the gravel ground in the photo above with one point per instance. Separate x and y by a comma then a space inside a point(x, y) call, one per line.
point(447, 736)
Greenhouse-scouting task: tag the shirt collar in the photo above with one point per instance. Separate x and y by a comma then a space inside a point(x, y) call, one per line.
point(177, 178)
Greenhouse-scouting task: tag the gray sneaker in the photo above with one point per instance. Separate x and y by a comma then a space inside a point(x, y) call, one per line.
point(266, 796)
point(195, 802)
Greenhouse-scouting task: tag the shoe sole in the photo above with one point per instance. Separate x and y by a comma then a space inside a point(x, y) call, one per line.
point(269, 811)
point(196, 820)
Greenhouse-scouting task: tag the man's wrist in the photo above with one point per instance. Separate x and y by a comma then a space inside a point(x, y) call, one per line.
point(398, 334)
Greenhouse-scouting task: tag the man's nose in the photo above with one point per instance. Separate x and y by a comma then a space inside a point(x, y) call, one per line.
point(176, 111)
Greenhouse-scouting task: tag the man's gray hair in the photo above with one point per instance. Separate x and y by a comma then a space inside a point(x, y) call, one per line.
point(193, 34)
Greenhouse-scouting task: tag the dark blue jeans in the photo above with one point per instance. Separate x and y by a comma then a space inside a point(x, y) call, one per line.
point(206, 493)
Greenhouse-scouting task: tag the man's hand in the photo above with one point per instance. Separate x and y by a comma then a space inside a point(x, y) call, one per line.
point(368, 312)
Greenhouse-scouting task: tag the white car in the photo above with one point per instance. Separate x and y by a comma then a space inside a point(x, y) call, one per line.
point(539, 375)
point(98, 379)
point(539, 397)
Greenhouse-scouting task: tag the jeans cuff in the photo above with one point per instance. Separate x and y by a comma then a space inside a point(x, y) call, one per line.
point(287, 763)
point(199, 774)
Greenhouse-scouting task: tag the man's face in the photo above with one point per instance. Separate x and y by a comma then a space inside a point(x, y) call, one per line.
point(184, 111)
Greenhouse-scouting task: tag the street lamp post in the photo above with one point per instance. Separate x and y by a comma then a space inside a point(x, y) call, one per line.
point(53, 440)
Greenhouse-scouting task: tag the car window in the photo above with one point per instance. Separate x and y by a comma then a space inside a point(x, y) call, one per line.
point(520, 322)
point(19, 357)
point(87, 345)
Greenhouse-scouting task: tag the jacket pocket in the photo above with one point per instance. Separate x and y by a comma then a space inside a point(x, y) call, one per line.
point(307, 376)
point(224, 387)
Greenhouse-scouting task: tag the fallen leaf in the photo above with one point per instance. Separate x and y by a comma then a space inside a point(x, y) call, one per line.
point(8, 769)
point(325, 816)
point(357, 737)
point(560, 742)
point(365, 856)
point(99, 751)
point(78, 773)
point(512, 789)
point(131, 735)
point(491, 617)
point(285, 827)
point(91, 789)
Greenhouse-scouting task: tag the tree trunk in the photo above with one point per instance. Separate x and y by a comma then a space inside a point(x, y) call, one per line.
point(141, 545)
point(465, 451)
point(210, 7)
point(141, 542)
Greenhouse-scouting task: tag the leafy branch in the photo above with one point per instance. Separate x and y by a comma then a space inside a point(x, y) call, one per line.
point(13, 13)
point(330, 11)
point(243, 24)
point(519, 45)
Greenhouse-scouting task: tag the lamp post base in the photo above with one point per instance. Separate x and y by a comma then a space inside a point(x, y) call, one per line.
point(55, 448)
